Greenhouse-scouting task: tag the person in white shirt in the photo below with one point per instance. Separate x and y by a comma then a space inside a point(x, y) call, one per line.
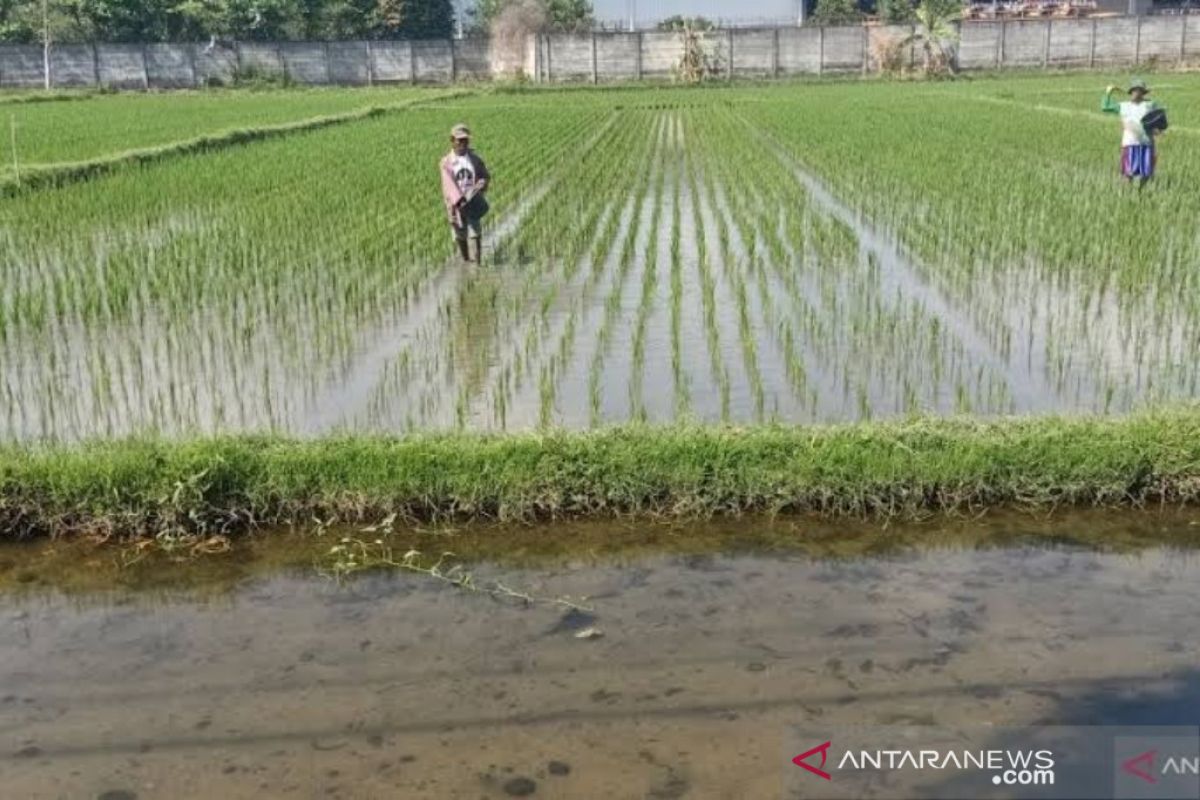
point(1138, 154)
point(465, 180)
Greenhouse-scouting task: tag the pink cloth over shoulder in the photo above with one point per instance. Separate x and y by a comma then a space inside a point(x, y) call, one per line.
point(451, 194)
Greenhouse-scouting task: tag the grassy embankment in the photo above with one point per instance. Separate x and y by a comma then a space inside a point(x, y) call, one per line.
point(236, 483)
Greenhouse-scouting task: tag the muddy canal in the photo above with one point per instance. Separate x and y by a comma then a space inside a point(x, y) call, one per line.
point(250, 675)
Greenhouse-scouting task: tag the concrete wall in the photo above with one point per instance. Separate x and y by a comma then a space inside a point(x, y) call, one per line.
point(603, 57)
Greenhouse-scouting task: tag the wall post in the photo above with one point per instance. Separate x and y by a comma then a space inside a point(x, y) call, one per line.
point(866, 45)
point(453, 61)
point(821, 50)
point(1092, 46)
point(145, 69)
point(1046, 46)
point(595, 65)
point(729, 67)
point(191, 51)
point(282, 61)
point(412, 62)
point(370, 64)
point(96, 62)
point(1003, 42)
point(639, 55)
point(1182, 38)
point(1137, 42)
point(775, 55)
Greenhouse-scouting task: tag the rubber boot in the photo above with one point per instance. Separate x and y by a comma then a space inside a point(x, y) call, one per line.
point(477, 250)
point(464, 249)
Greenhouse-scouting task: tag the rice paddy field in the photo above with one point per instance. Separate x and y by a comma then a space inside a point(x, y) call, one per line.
point(797, 253)
point(44, 130)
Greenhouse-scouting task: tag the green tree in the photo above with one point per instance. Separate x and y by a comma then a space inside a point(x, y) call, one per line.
point(895, 12)
point(196, 20)
point(679, 22)
point(260, 20)
point(414, 19)
point(836, 12)
point(936, 32)
point(22, 21)
point(350, 19)
point(567, 16)
point(120, 20)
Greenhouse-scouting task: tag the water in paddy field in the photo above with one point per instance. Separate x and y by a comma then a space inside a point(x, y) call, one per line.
point(714, 294)
point(248, 675)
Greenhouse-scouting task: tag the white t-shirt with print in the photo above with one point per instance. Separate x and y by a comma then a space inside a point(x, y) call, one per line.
point(463, 169)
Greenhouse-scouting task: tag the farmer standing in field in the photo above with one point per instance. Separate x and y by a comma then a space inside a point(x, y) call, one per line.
point(1141, 120)
point(465, 180)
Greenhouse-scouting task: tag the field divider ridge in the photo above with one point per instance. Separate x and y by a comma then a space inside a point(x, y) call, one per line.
point(53, 175)
point(232, 484)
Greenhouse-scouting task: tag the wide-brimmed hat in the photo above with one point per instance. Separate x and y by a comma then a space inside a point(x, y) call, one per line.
point(1138, 83)
point(460, 132)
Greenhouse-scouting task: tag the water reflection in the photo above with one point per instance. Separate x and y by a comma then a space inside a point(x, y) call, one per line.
point(260, 679)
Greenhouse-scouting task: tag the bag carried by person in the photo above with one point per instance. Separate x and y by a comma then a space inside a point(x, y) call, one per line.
point(476, 206)
point(1155, 121)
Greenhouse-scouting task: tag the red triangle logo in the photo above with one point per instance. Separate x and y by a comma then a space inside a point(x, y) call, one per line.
point(823, 749)
point(1134, 766)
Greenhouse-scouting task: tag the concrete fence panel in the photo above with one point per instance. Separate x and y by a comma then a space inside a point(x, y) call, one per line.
point(979, 45)
point(122, 66)
point(305, 62)
point(392, 62)
point(569, 58)
point(473, 59)
point(1116, 40)
point(1161, 39)
point(349, 63)
point(262, 57)
point(754, 52)
point(800, 50)
point(1190, 34)
point(617, 56)
point(215, 64)
point(169, 66)
point(661, 54)
point(21, 66)
point(1071, 42)
point(843, 50)
point(73, 65)
point(1023, 43)
point(433, 61)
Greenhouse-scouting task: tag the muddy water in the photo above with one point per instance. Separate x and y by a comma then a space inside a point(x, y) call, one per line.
point(249, 675)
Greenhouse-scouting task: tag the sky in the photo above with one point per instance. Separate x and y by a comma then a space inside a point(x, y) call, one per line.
point(725, 9)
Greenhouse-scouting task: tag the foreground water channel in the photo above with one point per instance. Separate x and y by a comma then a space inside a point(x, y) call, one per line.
point(251, 674)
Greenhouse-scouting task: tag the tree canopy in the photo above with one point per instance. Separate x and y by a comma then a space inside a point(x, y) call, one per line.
point(196, 20)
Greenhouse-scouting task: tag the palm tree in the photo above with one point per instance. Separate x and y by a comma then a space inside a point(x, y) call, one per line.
point(935, 27)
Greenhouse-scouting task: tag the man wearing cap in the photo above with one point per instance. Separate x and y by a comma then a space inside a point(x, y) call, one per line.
point(1138, 156)
point(465, 179)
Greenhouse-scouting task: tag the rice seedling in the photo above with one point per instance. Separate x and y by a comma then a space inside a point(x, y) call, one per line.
point(658, 255)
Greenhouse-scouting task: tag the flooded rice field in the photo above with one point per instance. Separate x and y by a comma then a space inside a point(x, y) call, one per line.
point(694, 650)
point(719, 278)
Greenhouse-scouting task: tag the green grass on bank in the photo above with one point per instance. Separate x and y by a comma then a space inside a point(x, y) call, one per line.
point(47, 133)
point(49, 175)
point(236, 483)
